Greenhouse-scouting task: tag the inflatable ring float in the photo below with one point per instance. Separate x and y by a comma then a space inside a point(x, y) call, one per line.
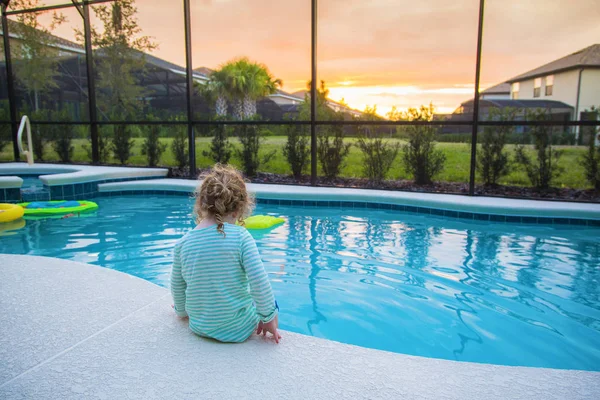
point(49, 208)
point(10, 212)
point(262, 221)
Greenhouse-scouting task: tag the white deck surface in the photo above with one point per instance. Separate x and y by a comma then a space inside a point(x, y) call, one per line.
point(75, 331)
point(486, 205)
point(9, 182)
point(59, 174)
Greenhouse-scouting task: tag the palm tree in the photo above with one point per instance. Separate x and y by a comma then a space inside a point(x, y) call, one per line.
point(217, 90)
point(247, 82)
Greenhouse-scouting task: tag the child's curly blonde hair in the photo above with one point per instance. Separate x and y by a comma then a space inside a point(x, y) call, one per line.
point(221, 193)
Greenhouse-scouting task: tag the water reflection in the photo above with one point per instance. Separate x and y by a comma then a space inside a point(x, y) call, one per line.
point(313, 277)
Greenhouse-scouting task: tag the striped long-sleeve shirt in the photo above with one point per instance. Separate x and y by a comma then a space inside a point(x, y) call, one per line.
point(221, 284)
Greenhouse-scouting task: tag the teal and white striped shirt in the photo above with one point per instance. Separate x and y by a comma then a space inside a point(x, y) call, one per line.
point(221, 284)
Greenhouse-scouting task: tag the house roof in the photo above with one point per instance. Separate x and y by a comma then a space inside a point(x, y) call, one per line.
point(53, 40)
point(586, 58)
point(552, 104)
point(204, 71)
point(501, 88)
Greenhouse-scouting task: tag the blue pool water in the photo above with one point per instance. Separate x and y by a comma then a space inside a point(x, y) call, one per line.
point(429, 286)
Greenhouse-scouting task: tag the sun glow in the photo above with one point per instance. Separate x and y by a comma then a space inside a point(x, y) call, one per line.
point(445, 98)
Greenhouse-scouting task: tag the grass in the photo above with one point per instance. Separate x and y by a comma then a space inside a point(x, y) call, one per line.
point(456, 168)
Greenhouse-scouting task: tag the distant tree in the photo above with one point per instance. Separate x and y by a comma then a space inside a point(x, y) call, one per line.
point(324, 112)
point(120, 55)
point(421, 159)
point(492, 160)
point(394, 114)
point(243, 82)
point(543, 169)
point(217, 91)
point(35, 52)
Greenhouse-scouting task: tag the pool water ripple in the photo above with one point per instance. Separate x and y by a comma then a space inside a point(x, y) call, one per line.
point(430, 286)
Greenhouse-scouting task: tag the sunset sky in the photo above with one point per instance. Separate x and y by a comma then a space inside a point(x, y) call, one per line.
point(378, 52)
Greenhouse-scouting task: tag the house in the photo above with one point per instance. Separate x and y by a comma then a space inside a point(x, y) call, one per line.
point(559, 111)
point(567, 88)
point(500, 91)
point(164, 84)
point(574, 80)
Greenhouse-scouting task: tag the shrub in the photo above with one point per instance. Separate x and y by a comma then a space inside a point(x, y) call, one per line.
point(332, 151)
point(37, 138)
point(492, 161)
point(297, 149)
point(250, 138)
point(62, 142)
point(220, 147)
point(4, 136)
point(5, 130)
point(543, 169)
point(122, 142)
point(152, 147)
point(103, 145)
point(62, 137)
point(420, 157)
point(179, 147)
point(378, 157)
point(591, 160)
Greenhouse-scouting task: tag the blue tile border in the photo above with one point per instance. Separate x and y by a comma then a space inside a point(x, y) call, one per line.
point(85, 190)
point(82, 191)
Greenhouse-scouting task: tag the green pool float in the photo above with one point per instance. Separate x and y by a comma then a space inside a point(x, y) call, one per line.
point(262, 221)
point(60, 207)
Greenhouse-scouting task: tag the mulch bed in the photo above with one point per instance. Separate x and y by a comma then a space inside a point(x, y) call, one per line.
point(587, 195)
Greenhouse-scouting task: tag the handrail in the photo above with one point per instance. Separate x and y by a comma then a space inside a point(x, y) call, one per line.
point(29, 152)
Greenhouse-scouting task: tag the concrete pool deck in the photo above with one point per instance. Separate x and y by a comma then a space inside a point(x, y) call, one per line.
point(61, 174)
point(70, 330)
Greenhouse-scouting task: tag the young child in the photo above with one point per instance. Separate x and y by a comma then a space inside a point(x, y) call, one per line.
point(218, 279)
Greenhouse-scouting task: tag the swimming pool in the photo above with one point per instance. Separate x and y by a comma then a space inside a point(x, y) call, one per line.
point(430, 286)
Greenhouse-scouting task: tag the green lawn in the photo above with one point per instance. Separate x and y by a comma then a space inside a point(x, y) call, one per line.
point(456, 168)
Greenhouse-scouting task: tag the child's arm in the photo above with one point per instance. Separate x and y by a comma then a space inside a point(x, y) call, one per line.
point(260, 287)
point(178, 285)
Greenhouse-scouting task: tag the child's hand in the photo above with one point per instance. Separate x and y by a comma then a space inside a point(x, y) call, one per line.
point(173, 307)
point(271, 327)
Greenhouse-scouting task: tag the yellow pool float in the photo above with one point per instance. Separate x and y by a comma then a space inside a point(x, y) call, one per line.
point(262, 221)
point(9, 228)
point(10, 212)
